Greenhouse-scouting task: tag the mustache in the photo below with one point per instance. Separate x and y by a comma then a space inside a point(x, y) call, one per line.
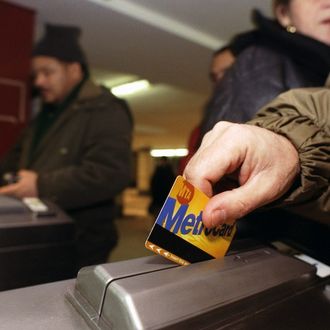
point(326, 21)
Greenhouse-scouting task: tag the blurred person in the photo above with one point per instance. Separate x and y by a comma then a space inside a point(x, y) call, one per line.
point(193, 143)
point(77, 151)
point(161, 182)
point(221, 61)
point(280, 159)
point(289, 52)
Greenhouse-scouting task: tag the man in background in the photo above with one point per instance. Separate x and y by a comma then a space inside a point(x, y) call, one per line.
point(160, 185)
point(77, 151)
point(222, 60)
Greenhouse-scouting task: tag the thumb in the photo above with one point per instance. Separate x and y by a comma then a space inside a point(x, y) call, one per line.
point(231, 205)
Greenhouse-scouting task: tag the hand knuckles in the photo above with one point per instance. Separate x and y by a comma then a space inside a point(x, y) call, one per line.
point(243, 208)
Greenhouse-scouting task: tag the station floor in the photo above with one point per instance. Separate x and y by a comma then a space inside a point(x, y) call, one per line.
point(133, 227)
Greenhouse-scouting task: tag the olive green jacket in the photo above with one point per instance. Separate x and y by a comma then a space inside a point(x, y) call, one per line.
point(84, 159)
point(303, 116)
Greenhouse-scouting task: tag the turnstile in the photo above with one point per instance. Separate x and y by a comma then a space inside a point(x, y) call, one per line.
point(34, 249)
point(256, 289)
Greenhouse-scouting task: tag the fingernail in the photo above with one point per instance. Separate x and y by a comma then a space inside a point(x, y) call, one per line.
point(218, 217)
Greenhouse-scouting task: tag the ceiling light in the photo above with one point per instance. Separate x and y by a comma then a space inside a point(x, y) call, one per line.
point(169, 152)
point(130, 88)
point(163, 22)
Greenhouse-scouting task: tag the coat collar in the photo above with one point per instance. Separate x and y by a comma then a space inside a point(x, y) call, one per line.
point(303, 49)
point(88, 91)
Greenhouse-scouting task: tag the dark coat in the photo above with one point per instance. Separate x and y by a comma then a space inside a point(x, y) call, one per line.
point(269, 61)
point(83, 162)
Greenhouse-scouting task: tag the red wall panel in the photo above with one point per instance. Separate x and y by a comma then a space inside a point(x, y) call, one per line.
point(16, 40)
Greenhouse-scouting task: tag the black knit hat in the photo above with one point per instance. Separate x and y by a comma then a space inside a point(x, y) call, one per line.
point(61, 42)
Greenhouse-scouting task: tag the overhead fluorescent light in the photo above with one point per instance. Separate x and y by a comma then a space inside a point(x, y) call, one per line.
point(163, 22)
point(181, 152)
point(130, 88)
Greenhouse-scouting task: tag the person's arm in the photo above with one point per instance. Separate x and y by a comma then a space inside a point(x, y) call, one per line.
point(291, 146)
point(303, 116)
point(10, 162)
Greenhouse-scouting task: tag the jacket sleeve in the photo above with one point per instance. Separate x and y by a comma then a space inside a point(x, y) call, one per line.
point(10, 162)
point(303, 116)
point(104, 167)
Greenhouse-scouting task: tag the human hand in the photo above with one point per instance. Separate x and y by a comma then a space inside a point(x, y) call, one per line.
point(25, 187)
point(266, 165)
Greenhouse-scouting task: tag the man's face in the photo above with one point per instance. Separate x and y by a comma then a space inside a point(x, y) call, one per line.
point(53, 78)
point(220, 64)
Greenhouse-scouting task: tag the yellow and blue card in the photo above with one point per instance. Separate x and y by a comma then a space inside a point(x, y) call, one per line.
point(179, 234)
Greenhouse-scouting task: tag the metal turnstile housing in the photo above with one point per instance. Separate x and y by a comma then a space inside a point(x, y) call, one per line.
point(35, 249)
point(151, 293)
